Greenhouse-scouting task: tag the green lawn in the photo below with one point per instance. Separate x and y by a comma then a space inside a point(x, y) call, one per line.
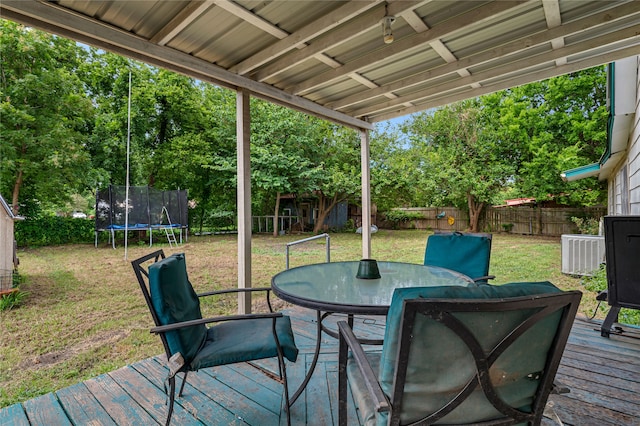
point(85, 315)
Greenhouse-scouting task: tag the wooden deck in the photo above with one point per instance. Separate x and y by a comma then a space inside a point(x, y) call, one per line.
point(603, 375)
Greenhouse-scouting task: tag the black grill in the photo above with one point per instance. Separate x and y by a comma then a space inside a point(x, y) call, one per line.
point(622, 240)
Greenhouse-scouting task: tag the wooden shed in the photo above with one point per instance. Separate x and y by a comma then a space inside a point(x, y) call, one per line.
point(8, 257)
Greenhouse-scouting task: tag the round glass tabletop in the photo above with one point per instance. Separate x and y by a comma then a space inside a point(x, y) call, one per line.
point(333, 287)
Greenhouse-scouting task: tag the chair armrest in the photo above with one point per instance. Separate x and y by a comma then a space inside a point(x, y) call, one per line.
point(179, 325)
point(346, 333)
point(232, 290)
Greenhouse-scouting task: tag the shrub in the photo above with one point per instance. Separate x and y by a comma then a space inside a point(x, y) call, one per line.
point(349, 226)
point(15, 298)
point(587, 225)
point(12, 300)
point(401, 216)
point(54, 230)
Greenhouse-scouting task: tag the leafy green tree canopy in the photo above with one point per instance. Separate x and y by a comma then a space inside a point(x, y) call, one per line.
point(464, 160)
point(44, 117)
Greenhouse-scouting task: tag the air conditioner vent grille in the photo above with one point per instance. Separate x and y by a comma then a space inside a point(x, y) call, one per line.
point(582, 254)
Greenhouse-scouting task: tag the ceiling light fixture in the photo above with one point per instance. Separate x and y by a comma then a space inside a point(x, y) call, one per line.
point(387, 34)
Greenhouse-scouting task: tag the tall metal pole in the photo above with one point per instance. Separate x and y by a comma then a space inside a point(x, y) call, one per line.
point(126, 196)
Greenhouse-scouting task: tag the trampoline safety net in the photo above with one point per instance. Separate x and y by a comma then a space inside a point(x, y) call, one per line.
point(148, 208)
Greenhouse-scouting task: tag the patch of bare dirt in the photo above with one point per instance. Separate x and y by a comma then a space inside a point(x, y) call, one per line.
point(56, 357)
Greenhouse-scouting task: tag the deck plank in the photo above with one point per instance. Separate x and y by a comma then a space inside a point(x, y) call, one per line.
point(295, 375)
point(117, 403)
point(601, 373)
point(599, 394)
point(46, 410)
point(583, 357)
point(195, 400)
point(612, 375)
point(249, 385)
point(317, 398)
point(150, 398)
point(268, 369)
point(81, 406)
point(231, 399)
point(13, 415)
point(572, 411)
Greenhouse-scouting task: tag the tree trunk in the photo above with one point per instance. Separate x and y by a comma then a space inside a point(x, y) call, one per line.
point(275, 215)
point(323, 211)
point(475, 210)
point(16, 193)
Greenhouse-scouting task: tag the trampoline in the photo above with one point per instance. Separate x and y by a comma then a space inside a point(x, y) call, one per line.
point(149, 209)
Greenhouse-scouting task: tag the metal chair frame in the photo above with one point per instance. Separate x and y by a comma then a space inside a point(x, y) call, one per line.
point(143, 277)
point(442, 310)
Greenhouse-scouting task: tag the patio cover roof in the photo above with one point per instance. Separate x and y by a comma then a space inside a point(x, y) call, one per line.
point(328, 58)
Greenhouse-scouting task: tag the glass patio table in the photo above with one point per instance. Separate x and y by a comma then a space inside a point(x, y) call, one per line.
point(330, 288)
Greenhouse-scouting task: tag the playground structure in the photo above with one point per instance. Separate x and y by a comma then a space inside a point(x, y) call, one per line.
point(147, 209)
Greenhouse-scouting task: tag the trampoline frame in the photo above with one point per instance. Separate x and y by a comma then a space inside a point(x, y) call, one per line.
point(110, 212)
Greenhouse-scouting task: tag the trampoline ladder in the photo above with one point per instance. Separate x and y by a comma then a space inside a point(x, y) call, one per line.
point(171, 237)
point(168, 230)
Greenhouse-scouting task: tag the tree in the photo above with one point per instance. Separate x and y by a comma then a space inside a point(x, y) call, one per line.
point(556, 124)
point(340, 170)
point(164, 105)
point(464, 161)
point(277, 172)
point(393, 170)
point(44, 117)
point(204, 162)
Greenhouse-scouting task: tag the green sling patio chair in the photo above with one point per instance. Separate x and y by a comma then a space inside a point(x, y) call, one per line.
point(467, 253)
point(460, 355)
point(188, 343)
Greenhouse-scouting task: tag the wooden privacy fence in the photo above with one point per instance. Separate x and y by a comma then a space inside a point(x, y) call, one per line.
point(433, 218)
point(551, 221)
point(539, 220)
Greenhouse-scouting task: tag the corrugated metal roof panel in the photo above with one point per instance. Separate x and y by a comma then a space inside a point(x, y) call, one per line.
point(328, 56)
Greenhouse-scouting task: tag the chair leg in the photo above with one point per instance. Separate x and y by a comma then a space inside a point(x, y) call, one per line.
point(172, 395)
point(342, 382)
point(184, 381)
point(283, 376)
point(283, 371)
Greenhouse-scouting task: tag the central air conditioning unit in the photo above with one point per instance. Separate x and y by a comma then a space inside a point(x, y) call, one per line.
point(582, 254)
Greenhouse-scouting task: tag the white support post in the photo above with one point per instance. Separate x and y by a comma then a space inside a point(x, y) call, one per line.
point(366, 194)
point(243, 133)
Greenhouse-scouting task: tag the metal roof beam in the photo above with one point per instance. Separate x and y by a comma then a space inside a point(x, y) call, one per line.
point(190, 13)
point(438, 46)
point(512, 67)
point(507, 83)
point(407, 43)
point(554, 19)
point(517, 46)
point(358, 26)
point(251, 18)
point(318, 27)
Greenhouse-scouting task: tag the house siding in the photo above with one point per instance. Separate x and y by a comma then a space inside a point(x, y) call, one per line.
point(634, 156)
point(624, 184)
point(6, 245)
